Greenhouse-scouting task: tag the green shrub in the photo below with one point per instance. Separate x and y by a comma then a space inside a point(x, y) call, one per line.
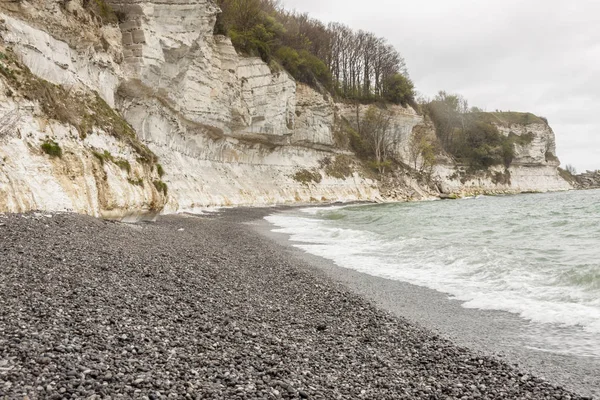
point(500, 178)
point(399, 90)
point(305, 176)
point(304, 66)
point(159, 170)
point(103, 157)
point(521, 140)
point(313, 70)
point(472, 137)
point(259, 39)
point(161, 187)
point(136, 182)
point(124, 165)
point(51, 148)
point(289, 59)
point(380, 166)
point(358, 144)
point(482, 146)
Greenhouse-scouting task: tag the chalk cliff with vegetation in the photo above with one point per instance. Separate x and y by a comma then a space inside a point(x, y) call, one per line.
point(123, 108)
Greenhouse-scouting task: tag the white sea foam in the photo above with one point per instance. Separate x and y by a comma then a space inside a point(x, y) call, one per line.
point(316, 210)
point(469, 254)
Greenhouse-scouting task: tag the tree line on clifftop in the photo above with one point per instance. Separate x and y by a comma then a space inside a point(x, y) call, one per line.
point(354, 65)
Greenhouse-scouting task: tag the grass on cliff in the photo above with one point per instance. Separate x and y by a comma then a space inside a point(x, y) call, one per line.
point(107, 157)
point(161, 187)
point(521, 140)
point(306, 176)
point(84, 111)
point(160, 170)
point(51, 148)
point(103, 157)
point(136, 181)
point(508, 118)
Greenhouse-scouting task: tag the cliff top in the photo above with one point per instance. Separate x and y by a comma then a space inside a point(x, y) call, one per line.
point(508, 118)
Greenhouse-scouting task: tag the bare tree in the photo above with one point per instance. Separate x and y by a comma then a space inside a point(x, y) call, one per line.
point(422, 151)
point(377, 130)
point(415, 147)
point(360, 63)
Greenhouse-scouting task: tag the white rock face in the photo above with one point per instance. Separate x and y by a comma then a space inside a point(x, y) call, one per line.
point(540, 150)
point(315, 117)
point(404, 120)
point(77, 181)
point(520, 178)
point(533, 169)
point(171, 54)
point(227, 129)
point(223, 126)
point(54, 61)
point(202, 171)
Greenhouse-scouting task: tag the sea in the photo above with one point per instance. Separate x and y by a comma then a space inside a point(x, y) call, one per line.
point(536, 256)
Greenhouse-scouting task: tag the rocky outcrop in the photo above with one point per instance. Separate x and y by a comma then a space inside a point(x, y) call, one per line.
point(498, 180)
point(225, 129)
point(171, 55)
point(87, 57)
point(62, 147)
point(316, 117)
point(534, 167)
point(535, 144)
point(588, 180)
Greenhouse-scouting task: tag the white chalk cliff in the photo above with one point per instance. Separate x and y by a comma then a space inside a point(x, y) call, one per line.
point(226, 130)
point(533, 169)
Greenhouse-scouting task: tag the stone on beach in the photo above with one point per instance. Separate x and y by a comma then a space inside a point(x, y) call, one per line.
point(95, 308)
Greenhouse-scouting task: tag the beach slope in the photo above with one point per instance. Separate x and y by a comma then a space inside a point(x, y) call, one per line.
point(204, 307)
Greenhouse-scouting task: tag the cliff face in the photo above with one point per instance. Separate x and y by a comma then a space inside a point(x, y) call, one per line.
point(226, 130)
point(533, 169)
point(46, 101)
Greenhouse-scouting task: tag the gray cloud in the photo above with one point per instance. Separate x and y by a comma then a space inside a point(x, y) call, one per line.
point(541, 56)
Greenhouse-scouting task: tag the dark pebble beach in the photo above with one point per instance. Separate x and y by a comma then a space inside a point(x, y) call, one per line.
point(204, 307)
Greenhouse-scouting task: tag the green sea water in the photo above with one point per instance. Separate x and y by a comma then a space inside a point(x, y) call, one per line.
point(534, 255)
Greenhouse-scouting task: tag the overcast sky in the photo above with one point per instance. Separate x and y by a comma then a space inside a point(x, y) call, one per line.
point(541, 56)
